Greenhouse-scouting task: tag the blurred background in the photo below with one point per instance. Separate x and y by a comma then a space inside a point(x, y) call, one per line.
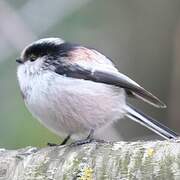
point(141, 37)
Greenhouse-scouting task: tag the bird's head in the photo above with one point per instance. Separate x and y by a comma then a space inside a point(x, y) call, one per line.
point(34, 55)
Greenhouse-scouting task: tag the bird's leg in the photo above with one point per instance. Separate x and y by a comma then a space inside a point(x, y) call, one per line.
point(87, 140)
point(63, 142)
point(91, 134)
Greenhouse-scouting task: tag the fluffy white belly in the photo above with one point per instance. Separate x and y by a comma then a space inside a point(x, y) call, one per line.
point(73, 106)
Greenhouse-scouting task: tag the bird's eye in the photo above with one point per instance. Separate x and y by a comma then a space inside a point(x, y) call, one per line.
point(32, 57)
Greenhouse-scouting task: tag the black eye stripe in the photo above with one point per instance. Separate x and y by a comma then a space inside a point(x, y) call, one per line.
point(66, 47)
point(51, 49)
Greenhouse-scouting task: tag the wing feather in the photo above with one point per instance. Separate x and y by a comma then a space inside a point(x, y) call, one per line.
point(111, 78)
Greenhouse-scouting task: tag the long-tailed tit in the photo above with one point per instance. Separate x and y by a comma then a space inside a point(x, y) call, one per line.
point(76, 90)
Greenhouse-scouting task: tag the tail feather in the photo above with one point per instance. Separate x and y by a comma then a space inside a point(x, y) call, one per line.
point(150, 123)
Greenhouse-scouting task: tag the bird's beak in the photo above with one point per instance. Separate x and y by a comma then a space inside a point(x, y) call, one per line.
point(19, 61)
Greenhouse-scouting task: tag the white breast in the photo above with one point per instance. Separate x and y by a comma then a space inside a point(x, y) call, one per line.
point(66, 105)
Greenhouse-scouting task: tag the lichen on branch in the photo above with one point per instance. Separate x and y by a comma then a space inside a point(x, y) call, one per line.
point(120, 160)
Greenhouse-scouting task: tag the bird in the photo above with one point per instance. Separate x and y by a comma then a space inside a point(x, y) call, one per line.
point(74, 90)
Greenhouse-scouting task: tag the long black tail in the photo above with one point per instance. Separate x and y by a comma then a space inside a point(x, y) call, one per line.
point(150, 123)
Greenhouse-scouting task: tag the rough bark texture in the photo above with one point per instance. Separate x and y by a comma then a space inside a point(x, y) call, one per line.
point(121, 160)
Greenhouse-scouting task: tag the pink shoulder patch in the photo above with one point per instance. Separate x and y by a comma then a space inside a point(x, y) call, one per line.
point(83, 54)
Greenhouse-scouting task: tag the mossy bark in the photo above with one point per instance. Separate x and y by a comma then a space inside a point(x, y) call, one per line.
point(121, 160)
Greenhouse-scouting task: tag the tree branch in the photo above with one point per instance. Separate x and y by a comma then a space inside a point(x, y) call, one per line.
point(121, 160)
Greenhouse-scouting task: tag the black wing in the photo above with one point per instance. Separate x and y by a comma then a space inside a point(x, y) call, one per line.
point(111, 78)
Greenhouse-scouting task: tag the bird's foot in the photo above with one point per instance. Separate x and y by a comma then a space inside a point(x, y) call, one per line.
point(85, 141)
point(52, 144)
point(81, 142)
point(62, 143)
